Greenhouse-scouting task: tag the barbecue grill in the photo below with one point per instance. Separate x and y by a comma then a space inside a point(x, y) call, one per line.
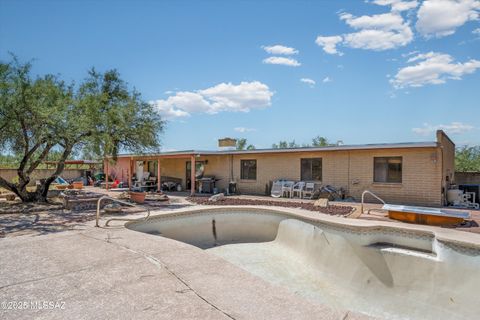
point(206, 184)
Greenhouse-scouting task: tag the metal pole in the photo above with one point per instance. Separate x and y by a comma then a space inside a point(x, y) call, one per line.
point(192, 175)
point(159, 172)
point(106, 175)
point(97, 217)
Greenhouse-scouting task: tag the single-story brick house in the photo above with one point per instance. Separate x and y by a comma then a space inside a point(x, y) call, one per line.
point(411, 173)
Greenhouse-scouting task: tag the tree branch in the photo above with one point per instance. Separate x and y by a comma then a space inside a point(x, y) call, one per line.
point(25, 179)
point(7, 185)
point(40, 158)
point(25, 134)
point(60, 166)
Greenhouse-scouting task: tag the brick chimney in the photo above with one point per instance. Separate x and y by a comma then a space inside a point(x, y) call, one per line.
point(227, 144)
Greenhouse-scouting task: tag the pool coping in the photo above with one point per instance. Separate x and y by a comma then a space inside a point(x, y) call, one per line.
point(460, 240)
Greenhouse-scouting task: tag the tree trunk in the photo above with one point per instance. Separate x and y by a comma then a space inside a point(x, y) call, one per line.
point(20, 191)
point(40, 194)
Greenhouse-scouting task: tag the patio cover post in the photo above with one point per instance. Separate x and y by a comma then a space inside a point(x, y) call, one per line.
point(192, 175)
point(106, 175)
point(130, 173)
point(159, 172)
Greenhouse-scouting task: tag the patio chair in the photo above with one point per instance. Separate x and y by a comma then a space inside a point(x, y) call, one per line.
point(298, 189)
point(309, 189)
point(276, 191)
point(287, 189)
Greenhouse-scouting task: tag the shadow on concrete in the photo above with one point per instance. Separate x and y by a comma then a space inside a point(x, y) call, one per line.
point(17, 224)
point(53, 221)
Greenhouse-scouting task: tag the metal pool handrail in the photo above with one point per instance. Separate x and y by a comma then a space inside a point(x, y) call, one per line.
point(97, 218)
point(372, 194)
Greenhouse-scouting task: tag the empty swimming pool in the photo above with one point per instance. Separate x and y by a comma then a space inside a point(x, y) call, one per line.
point(380, 271)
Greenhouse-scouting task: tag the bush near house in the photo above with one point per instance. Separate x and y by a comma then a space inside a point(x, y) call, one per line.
point(467, 159)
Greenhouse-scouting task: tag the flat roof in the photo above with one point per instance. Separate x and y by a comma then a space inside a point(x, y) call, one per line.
point(75, 162)
point(403, 145)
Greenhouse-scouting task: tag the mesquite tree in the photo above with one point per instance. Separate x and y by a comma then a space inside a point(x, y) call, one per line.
point(44, 114)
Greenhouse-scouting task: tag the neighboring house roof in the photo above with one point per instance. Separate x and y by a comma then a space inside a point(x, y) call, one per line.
point(405, 145)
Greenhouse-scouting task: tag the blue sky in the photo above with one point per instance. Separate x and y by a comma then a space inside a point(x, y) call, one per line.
point(382, 70)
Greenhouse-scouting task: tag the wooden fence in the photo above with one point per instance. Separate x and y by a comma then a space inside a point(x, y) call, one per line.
point(11, 174)
point(467, 177)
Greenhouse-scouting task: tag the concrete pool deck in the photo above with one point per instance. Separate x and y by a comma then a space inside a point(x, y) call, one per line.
point(118, 273)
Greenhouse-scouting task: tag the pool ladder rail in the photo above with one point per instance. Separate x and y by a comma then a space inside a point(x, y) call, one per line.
point(97, 218)
point(376, 197)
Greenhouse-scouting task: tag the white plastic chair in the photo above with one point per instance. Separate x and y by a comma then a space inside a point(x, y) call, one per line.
point(287, 189)
point(309, 189)
point(298, 189)
point(276, 191)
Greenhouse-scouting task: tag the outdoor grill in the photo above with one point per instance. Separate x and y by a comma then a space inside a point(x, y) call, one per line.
point(206, 184)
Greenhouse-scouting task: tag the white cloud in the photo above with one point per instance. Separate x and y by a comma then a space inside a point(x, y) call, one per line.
point(279, 49)
point(242, 97)
point(432, 68)
point(282, 61)
point(222, 97)
point(378, 40)
point(411, 53)
point(329, 44)
point(384, 21)
point(441, 18)
point(327, 79)
point(377, 32)
point(452, 128)
point(308, 81)
point(397, 5)
point(243, 129)
point(373, 32)
point(476, 31)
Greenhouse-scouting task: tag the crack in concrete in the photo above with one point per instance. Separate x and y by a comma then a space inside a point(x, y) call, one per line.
point(162, 265)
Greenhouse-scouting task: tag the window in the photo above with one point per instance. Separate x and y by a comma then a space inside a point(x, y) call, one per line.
point(248, 169)
point(387, 169)
point(311, 169)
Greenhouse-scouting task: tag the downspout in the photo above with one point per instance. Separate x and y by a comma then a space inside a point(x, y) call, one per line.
point(443, 183)
point(348, 173)
point(231, 167)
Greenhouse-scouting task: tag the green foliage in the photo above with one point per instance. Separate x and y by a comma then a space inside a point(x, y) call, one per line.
point(43, 118)
point(285, 145)
point(242, 144)
point(9, 161)
point(467, 159)
point(318, 141)
point(115, 118)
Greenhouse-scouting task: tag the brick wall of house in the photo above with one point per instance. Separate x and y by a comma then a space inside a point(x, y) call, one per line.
point(353, 170)
point(446, 152)
point(174, 168)
point(424, 171)
point(119, 169)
